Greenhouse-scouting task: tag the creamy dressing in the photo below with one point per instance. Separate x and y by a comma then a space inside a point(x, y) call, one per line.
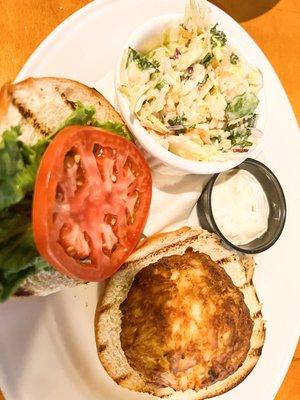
point(240, 206)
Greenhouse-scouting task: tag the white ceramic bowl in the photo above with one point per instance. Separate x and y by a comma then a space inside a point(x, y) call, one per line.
point(145, 37)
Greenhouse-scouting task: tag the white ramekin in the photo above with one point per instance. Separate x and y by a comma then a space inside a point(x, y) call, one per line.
point(162, 160)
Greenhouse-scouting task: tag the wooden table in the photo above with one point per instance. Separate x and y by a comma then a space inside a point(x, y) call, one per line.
point(24, 24)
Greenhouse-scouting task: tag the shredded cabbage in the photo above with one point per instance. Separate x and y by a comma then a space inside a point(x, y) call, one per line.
point(193, 93)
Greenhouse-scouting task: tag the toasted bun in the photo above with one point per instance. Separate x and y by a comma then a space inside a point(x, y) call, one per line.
point(39, 106)
point(240, 268)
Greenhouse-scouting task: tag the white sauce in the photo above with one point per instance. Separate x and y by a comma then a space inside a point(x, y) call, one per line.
point(240, 206)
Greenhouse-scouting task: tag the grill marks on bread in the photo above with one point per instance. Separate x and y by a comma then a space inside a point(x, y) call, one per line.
point(101, 348)
point(31, 118)
point(256, 352)
point(256, 315)
point(68, 102)
point(41, 105)
point(104, 308)
point(122, 378)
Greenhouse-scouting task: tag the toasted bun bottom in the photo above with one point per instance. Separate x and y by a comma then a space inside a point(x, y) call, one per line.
point(108, 316)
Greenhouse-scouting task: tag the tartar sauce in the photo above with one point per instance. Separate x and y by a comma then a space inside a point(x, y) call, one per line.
point(240, 206)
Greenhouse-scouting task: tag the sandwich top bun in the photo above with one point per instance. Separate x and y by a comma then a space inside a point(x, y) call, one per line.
point(180, 317)
point(39, 106)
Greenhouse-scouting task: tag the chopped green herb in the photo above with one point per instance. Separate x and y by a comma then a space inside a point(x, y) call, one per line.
point(142, 62)
point(245, 143)
point(204, 80)
point(234, 58)
point(178, 120)
point(177, 124)
point(217, 37)
point(250, 121)
point(152, 75)
point(246, 122)
point(206, 60)
point(240, 138)
point(160, 85)
point(218, 138)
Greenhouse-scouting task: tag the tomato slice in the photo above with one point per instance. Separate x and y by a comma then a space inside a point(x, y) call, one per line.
point(91, 201)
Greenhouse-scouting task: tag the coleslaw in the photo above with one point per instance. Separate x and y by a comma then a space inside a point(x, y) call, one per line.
point(193, 93)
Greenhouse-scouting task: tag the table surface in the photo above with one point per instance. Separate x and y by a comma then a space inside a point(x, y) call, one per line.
point(276, 31)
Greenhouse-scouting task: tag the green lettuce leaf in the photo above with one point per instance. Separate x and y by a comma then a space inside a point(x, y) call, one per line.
point(85, 115)
point(242, 105)
point(116, 127)
point(19, 257)
point(18, 166)
point(9, 283)
point(82, 115)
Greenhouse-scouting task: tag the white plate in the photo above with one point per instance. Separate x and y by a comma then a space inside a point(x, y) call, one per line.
point(47, 348)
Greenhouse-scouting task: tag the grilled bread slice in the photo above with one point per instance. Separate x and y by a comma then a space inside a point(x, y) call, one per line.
point(39, 106)
point(155, 348)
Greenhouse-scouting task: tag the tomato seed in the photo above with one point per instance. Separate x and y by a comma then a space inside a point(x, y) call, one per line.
point(98, 150)
point(59, 195)
point(68, 162)
point(77, 158)
point(106, 250)
point(71, 251)
point(110, 219)
point(115, 172)
point(85, 261)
